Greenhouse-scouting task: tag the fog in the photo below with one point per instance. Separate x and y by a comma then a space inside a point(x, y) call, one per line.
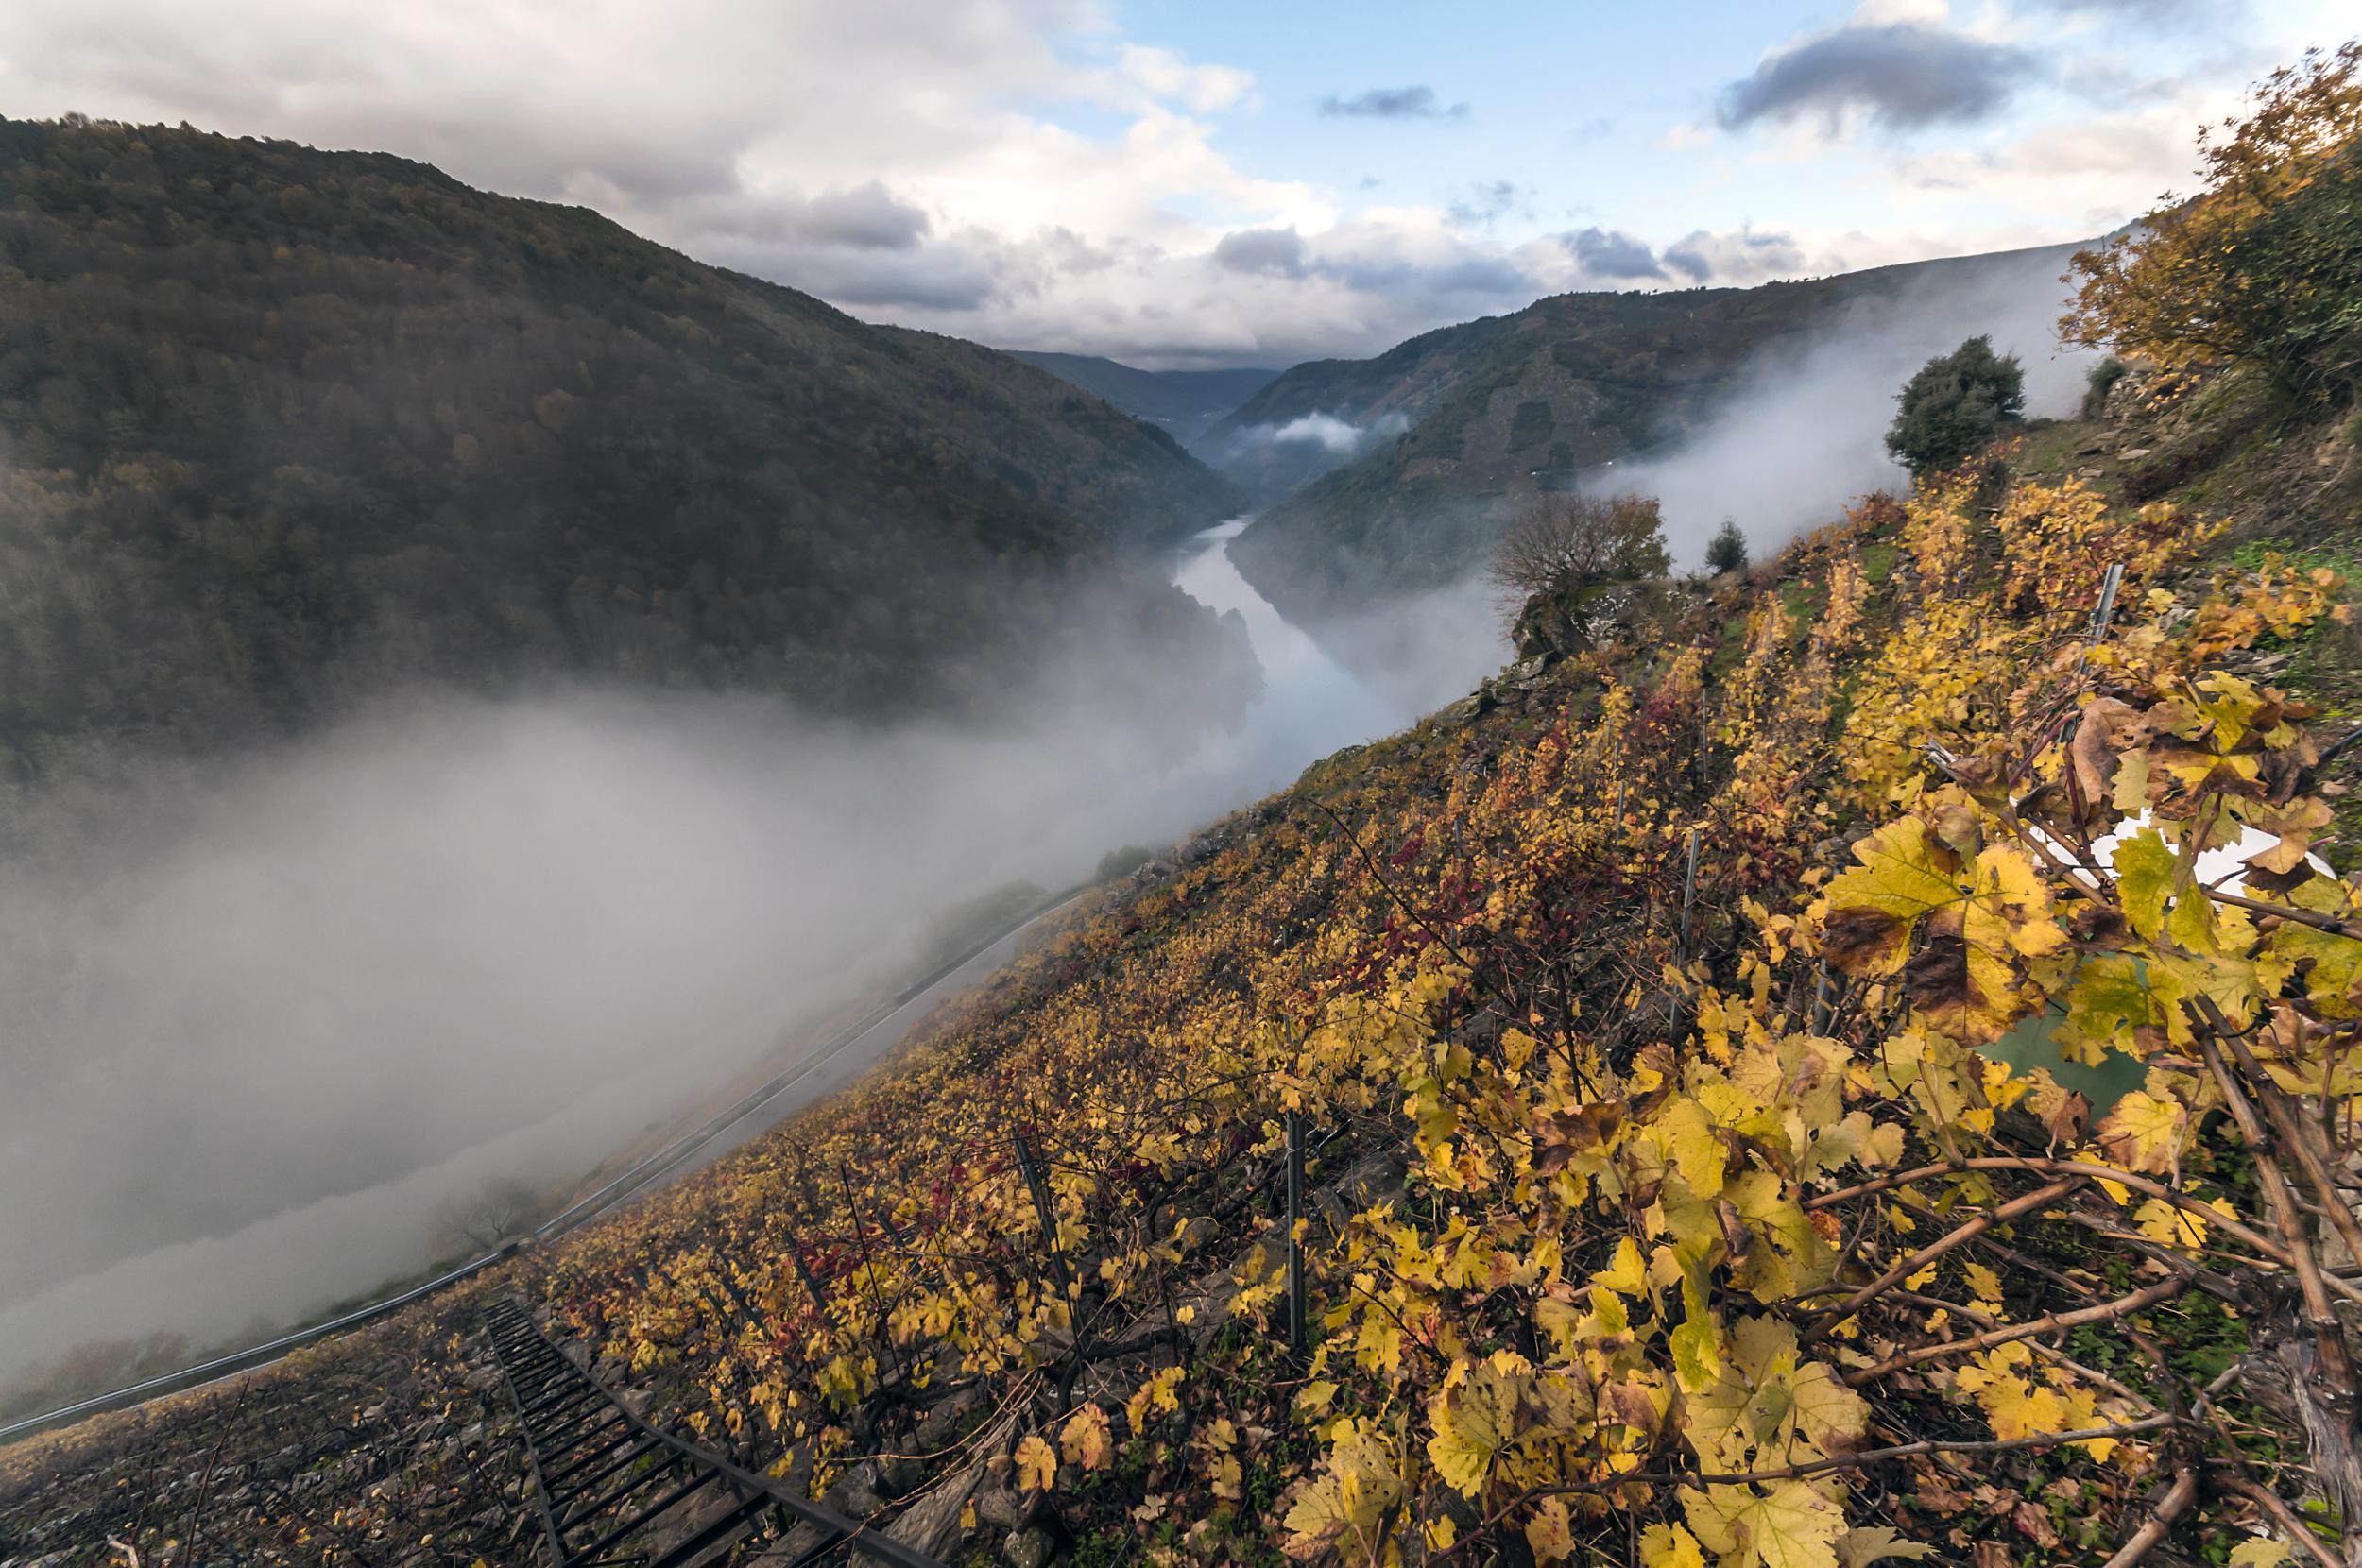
point(1339, 438)
point(256, 1046)
point(1272, 459)
point(1806, 436)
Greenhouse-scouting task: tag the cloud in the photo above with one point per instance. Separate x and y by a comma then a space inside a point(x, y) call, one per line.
point(1393, 103)
point(1738, 256)
point(1200, 89)
point(867, 217)
point(1019, 172)
point(1486, 203)
point(1332, 434)
point(1278, 252)
point(1613, 253)
point(2142, 10)
point(1903, 76)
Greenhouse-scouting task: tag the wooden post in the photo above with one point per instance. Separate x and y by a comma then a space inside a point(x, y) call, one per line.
point(1042, 1209)
point(1297, 1328)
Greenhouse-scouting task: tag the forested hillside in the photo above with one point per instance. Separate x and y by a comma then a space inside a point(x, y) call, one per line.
point(280, 428)
point(1465, 419)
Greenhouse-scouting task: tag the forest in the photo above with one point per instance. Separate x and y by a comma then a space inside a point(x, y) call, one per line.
point(281, 429)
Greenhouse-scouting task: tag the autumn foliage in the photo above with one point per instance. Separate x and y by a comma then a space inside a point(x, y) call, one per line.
point(2264, 265)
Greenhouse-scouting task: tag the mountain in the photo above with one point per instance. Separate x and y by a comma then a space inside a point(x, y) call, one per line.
point(1399, 470)
point(1186, 403)
point(281, 428)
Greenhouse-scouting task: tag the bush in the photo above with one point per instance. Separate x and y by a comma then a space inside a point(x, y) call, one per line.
point(1122, 861)
point(1955, 403)
point(1560, 542)
point(2267, 264)
point(1727, 550)
point(2101, 381)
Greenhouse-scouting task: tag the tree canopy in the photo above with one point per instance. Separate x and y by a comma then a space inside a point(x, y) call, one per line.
point(1953, 404)
point(2266, 263)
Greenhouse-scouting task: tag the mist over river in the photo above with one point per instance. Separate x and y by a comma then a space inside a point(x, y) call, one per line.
point(1310, 704)
point(390, 965)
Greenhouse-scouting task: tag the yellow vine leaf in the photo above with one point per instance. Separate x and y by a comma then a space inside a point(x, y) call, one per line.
point(1085, 1439)
point(1669, 1547)
point(1868, 1543)
point(1346, 1506)
point(1473, 1424)
point(1551, 1533)
point(2144, 865)
point(2143, 1133)
point(1036, 1464)
point(1788, 1525)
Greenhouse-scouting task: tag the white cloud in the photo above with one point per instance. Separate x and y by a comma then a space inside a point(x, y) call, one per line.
point(1021, 172)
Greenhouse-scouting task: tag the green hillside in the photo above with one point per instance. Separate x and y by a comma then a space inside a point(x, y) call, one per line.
point(280, 428)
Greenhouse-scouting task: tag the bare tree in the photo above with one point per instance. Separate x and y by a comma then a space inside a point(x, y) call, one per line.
point(489, 1213)
point(1559, 541)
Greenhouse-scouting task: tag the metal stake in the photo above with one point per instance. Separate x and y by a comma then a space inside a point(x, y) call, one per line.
point(1689, 893)
point(1297, 1326)
point(1042, 1211)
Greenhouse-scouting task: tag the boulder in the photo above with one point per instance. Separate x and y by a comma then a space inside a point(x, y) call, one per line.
point(1028, 1548)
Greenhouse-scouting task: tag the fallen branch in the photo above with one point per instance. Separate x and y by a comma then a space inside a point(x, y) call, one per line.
point(2172, 1506)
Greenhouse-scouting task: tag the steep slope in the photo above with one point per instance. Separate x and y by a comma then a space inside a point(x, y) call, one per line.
point(1638, 1030)
point(1456, 424)
point(1597, 1165)
point(1185, 403)
point(282, 426)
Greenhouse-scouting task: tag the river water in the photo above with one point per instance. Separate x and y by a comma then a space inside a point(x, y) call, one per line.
point(1310, 704)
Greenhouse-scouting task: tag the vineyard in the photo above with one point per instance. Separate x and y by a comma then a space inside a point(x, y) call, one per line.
point(1669, 1195)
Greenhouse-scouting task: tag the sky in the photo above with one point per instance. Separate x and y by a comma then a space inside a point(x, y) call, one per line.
point(1181, 183)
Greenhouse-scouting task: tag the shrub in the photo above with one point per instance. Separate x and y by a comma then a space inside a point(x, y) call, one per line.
point(1122, 861)
point(1727, 550)
point(1955, 404)
point(2101, 381)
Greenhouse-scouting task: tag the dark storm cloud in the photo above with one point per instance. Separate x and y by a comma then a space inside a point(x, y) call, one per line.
point(1613, 253)
point(867, 217)
point(1274, 252)
point(935, 277)
point(1393, 102)
point(1903, 75)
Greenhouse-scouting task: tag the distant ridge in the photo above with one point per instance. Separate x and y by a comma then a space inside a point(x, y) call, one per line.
point(1187, 403)
point(1448, 428)
point(297, 426)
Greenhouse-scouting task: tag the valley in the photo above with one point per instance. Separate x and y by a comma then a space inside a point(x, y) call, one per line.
point(1658, 902)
